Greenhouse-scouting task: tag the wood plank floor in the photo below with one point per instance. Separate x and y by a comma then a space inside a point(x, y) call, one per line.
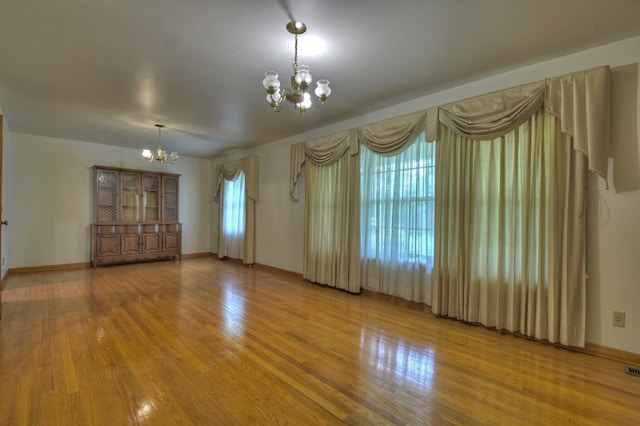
point(209, 342)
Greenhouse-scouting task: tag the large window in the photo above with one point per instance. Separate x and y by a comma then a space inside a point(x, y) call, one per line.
point(397, 196)
point(397, 204)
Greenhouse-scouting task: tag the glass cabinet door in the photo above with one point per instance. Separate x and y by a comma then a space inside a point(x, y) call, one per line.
point(106, 203)
point(130, 200)
point(150, 198)
point(169, 199)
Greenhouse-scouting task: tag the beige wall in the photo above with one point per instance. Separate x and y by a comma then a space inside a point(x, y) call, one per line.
point(6, 195)
point(614, 214)
point(51, 195)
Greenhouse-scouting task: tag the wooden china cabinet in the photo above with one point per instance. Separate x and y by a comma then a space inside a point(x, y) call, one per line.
point(135, 214)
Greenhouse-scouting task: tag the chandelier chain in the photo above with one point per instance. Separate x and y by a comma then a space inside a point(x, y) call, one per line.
point(295, 55)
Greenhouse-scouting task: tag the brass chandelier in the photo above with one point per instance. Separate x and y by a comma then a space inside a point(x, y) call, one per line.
point(160, 154)
point(300, 81)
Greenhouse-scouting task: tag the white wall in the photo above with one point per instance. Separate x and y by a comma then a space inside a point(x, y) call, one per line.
point(614, 215)
point(51, 198)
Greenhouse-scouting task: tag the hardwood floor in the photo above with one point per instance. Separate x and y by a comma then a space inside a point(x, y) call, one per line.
point(211, 342)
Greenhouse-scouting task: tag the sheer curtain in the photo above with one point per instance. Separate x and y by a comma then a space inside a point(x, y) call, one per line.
point(233, 217)
point(397, 220)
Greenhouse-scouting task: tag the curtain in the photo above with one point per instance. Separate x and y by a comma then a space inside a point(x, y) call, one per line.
point(492, 115)
point(229, 172)
point(332, 210)
point(582, 103)
point(510, 205)
point(580, 100)
point(332, 232)
point(232, 218)
point(510, 231)
point(384, 137)
point(327, 242)
point(561, 127)
point(397, 202)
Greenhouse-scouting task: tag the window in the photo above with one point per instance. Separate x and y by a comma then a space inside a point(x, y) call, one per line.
point(397, 204)
point(233, 217)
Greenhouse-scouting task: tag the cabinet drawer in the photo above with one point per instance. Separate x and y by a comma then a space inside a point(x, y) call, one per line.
point(106, 229)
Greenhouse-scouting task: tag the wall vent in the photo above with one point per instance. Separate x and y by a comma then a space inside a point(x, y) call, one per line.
point(633, 371)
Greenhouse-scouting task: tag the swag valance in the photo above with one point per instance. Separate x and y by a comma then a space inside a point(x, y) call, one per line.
point(231, 170)
point(384, 137)
point(580, 100)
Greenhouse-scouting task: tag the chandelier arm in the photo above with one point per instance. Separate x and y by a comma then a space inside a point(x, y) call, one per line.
point(317, 102)
point(277, 106)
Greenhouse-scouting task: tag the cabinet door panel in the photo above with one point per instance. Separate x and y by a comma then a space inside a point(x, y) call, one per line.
point(169, 198)
point(151, 198)
point(108, 245)
point(171, 241)
point(106, 197)
point(130, 198)
point(131, 243)
point(151, 243)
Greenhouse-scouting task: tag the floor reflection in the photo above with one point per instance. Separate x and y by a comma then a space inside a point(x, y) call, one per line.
point(144, 410)
point(397, 359)
point(233, 312)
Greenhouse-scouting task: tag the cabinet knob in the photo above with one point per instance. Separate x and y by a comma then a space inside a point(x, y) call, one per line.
point(5, 222)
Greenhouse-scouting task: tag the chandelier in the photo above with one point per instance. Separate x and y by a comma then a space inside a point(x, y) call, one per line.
point(300, 81)
point(160, 155)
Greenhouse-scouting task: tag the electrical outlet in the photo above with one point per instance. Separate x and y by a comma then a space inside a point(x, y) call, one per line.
point(618, 319)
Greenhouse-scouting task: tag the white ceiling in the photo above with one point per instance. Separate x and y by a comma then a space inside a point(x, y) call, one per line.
point(105, 71)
